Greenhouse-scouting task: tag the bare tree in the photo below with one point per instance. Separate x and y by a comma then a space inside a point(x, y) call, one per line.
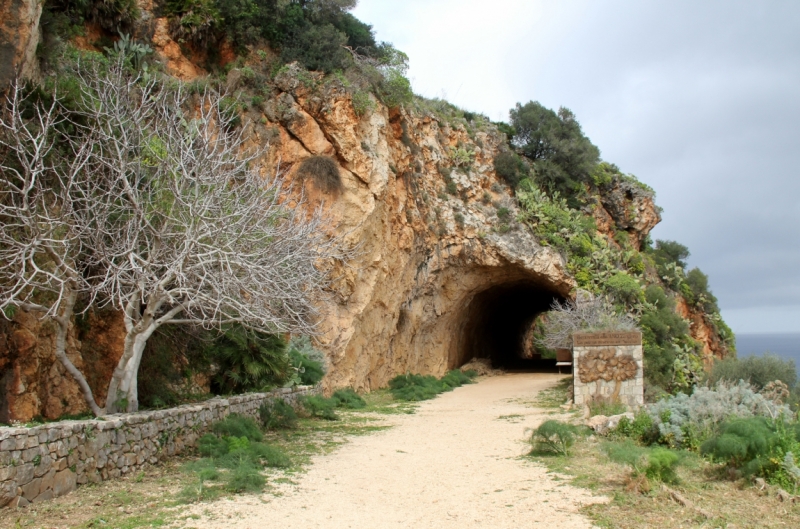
point(591, 314)
point(43, 219)
point(184, 228)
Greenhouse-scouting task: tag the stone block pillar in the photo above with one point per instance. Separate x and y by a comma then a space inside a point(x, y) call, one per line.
point(608, 366)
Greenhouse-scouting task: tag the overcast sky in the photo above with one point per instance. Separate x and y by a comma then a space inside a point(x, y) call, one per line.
point(699, 99)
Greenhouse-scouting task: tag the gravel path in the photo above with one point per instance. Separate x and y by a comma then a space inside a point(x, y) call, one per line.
point(453, 464)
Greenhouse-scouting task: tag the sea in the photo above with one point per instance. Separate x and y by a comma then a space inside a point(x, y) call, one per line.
point(784, 345)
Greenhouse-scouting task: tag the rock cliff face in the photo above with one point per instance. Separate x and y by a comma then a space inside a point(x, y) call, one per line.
point(443, 272)
point(429, 235)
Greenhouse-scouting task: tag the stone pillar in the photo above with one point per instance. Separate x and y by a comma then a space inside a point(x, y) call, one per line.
point(608, 366)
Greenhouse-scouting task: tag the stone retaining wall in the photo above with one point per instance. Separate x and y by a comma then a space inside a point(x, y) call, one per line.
point(42, 462)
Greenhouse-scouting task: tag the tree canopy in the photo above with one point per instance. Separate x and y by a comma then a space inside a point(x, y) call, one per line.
point(563, 157)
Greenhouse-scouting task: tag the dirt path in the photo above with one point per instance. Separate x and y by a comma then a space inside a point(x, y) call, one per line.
point(454, 463)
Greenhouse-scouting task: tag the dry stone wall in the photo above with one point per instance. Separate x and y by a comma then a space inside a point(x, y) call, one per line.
point(42, 462)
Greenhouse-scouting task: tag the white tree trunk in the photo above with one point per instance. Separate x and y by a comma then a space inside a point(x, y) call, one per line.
point(123, 388)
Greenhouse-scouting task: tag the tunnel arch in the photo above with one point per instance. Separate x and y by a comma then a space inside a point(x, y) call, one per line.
point(496, 319)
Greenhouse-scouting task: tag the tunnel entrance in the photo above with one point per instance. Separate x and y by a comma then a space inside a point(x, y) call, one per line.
point(497, 321)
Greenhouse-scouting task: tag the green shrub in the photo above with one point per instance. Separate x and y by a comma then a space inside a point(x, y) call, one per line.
point(503, 213)
point(320, 407)
point(236, 425)
point(308, 362)
point(413, 388)
point(757, 370)
point(564, 158)
point(624, 288)
point(456, 378)
point(661, 464)
point(233, 458)
point(277, 414)
point(212, 446)
point(687, 421)
point(247, 360)
point(509, 166)
point(245, 478)
point(348, 398)
point(323, 171)
point(745, 444)
point(658, 464)
point(193, 20)
point(641, 428)
point(317, 48)
point(111, 15)
point(394, 90)
point(554, 437)
point(362, 103)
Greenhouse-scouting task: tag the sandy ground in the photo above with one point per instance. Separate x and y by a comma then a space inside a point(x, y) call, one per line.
point(455, 463)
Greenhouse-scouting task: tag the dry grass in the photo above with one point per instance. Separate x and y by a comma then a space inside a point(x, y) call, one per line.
point(637, 504)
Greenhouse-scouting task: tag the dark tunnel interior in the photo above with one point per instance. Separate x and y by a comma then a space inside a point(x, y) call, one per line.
point(497, 320)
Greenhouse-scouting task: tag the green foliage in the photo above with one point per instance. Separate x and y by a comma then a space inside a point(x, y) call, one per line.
point(563, 158)
point(362, 102)
point(212, 446)
point(661, 328)
point(624, 288)
point(233, 457)
point(348, 398)
point(308, 362)
point(395, 89)
point(248, 360)
point(245, 478)
point(236, 425)
point(461, 156)
point(193, 20)
point(757, 370)
point(506, 129)
point(413, 388)
point(641, 429)
point(658, 464)
point(697, 284)
point(323, 171)
point(759, 446)
point(661, 464)
point(134, 52)
point(687, 421)
point(320, 407)
point(509, 166)
point(554, 437)
point(317, 48)
point(670, 252)
point(277, 414)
